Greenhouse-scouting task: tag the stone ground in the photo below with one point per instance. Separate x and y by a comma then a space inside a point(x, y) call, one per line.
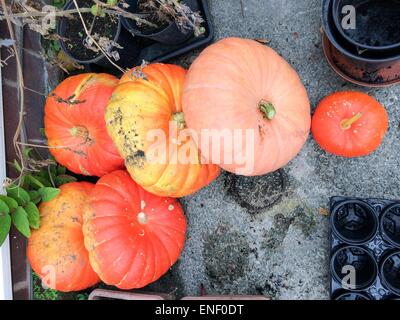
point(266, 235)
point(283, 250)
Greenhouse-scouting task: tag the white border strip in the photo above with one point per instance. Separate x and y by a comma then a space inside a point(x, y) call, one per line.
point(5, 265)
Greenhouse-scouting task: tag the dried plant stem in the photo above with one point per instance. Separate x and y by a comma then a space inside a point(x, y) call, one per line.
point(136, 17)
point(93, 40)
point(49, 147)
point(64, 13)
point(21, 86)
point(38, 14)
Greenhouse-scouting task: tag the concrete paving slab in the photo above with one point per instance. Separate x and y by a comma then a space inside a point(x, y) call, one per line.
point(281, 251)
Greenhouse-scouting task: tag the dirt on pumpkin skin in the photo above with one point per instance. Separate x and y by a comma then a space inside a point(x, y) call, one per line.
point(131, 142)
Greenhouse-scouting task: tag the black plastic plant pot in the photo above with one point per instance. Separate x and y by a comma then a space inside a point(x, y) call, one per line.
point(353, 296)
point(390, 225)
point(171, 34)
point(363, 262)
point(390, 272)
point(376, 24)
point(366, 68)
point(73, 39)
point(354, 221)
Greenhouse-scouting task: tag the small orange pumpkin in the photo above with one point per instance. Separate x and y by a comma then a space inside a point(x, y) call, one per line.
point(251, 101)
point(133, 237)
point(149, 100)
point(56, 251)
point(75, 126)
point(349, 124)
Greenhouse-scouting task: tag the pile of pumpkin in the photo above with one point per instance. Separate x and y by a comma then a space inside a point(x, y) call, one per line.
point(128, 229)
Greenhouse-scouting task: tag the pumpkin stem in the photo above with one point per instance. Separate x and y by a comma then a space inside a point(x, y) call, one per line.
point(268, 109)
point(346, 123)
point(179, 119)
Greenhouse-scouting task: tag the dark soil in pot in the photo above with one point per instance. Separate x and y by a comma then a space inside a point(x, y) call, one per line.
point(167, 30)
point(368, 67)
point(152, 17)
point(377, 22)
point(74, 36)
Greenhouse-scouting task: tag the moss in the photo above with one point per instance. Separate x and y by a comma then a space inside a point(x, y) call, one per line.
point(226, 254)
point(39, 293)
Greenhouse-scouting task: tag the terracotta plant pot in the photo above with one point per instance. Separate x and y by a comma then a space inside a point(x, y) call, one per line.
point(371, 69)
point(377, 25)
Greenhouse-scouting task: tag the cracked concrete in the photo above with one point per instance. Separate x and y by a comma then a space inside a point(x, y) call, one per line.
point(279, 246)
point(282, 251)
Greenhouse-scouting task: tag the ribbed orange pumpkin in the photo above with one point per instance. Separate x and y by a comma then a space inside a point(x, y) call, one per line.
point(251, 102)
point(133, 237)
point(75, 126)
point(56, 251)
point(349, 124)
point(149, 100)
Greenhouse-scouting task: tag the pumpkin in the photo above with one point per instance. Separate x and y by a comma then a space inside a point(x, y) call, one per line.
point(349, 124)
point(247, 105)
point(133, 237)
point(147, 102)
point(75, 126)
point(56, 251)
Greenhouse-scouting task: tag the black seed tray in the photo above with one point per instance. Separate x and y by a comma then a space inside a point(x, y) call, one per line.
point(365, 234)
point(151, 51)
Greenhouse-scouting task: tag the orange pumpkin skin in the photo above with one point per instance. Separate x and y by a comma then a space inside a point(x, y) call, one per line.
point(75, 126)
point(56, 251)
point(133, 237)
point(226, 88)
point(349, 124)
point(146, 100)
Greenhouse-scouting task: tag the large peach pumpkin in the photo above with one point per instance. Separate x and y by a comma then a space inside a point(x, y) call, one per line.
point(56, 251)
point(146, 103)
point(75, 126)
point(248, 106)
point(133, 237)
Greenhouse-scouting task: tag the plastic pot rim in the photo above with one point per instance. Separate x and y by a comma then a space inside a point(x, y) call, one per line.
point(365, 286)
point(326, 6)
point(335, 14)
point(350, 241)
point(67, 52)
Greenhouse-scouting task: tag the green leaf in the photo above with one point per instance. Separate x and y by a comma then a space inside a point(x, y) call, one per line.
point(5, 224)
point(34, 182)
point(53, 171)
point(35, 196)
point(112, 3)
point(26, 152)
point(42, 132)
point(21, 222)
point(33, 215)
point(63, 179)
point(18, 194)
point(10, 202)
point(4, 207)
point(48, 194)
point(61, 170)
point(43, 180)
point(15, 164)
point(97, 11)
point(59, 3)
